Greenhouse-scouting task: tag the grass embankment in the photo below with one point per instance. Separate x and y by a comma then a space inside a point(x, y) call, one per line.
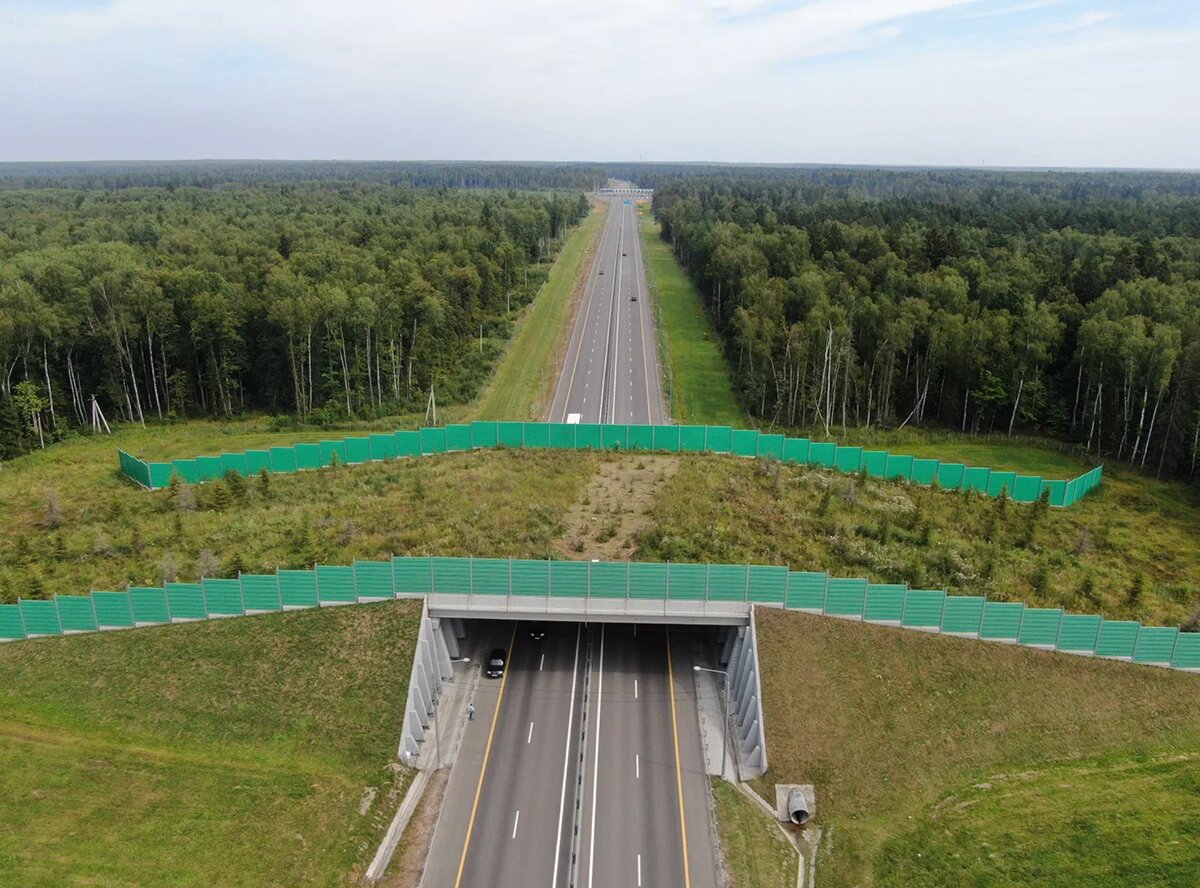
point(756, 855)
point(232, 752)
point(943, 761)
point(701, 389)
point(523, 384)
point(1130, 549)
point(110, 533)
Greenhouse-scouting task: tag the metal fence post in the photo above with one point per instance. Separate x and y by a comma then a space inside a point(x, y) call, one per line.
point(510, 585)
point(707, 580)
point(432, 578)
point(982, 614)
point(242, 593)
point(747, 598)
point(391, 572)
point(96, 616)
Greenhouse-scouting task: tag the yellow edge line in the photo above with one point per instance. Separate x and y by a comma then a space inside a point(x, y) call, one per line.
point(687, 876)
point(487, 751)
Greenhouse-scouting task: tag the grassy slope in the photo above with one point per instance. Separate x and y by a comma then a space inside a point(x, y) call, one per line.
point(756, 855)
point(736, 511)
point(233, 752)
point(522, 385)
point(113, 533)
point(998, 766)
point(701, 389)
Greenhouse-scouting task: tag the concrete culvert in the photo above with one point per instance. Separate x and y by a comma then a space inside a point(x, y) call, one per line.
point(797, 807)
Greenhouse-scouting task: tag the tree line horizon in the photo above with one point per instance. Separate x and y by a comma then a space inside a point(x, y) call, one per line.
point(1059, 303)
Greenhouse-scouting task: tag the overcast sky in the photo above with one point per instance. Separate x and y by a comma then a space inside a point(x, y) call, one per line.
point(995, 82)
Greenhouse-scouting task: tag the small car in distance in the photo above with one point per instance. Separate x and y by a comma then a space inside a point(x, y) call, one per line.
point(537, 631)
point(496, 663)
point(633, 299)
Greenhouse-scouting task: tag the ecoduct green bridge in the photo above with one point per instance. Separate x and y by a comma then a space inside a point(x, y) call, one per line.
point(604, 590)
point(585, 436)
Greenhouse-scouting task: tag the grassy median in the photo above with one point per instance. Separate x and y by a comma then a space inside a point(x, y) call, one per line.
point(243, 752)
point(953, 762)
point(698, 377)
point(523, 384)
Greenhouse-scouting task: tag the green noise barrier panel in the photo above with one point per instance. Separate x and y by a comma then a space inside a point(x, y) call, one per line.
point(261, 593)
point(76, 613)
point(746, 443)
point(149, 606)
point(41, 618)
point(186, 602)
point(928, 610)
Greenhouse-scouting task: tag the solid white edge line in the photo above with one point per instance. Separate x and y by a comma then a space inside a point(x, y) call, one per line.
point(639, 871)
point(637, 766)
point(562, 801)
point(596, 760)
point(516, 820)
point(635, 689)
point(529, 739)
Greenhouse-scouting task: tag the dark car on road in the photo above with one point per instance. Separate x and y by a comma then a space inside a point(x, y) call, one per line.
point(495, 663)
point(537, 631)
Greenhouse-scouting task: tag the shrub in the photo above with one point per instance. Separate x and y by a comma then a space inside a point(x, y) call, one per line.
point(237, 486)
point(54, 515)
point(218, 496)
point(207, 564)
point(1136, 588)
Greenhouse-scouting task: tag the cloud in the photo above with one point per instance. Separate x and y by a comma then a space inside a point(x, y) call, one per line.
point(903, 81)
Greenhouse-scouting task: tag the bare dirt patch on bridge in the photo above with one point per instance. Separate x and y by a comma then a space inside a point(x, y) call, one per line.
point(616, 506)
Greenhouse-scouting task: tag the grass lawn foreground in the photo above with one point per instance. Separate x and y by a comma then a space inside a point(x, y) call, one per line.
point(954, 762)
point(243, 752)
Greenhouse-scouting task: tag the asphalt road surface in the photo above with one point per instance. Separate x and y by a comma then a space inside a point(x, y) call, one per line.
point(611, 371)
point(583, 767)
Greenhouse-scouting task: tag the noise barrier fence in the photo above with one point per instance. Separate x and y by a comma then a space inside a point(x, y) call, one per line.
point(928, 610)
point(585, 436)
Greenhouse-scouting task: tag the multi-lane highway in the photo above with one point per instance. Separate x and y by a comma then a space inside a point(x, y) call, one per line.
point(611, 371)
point(582, 767)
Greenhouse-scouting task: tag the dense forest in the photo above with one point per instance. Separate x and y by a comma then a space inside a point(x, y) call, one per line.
point(232, 173)
point(1064, 303)
point(318, 298)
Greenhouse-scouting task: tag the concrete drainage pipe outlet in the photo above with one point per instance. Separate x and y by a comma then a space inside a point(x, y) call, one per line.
point(797, 807)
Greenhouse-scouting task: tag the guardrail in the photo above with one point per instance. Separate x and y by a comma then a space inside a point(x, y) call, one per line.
point(591, 436)
point(593, 587)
